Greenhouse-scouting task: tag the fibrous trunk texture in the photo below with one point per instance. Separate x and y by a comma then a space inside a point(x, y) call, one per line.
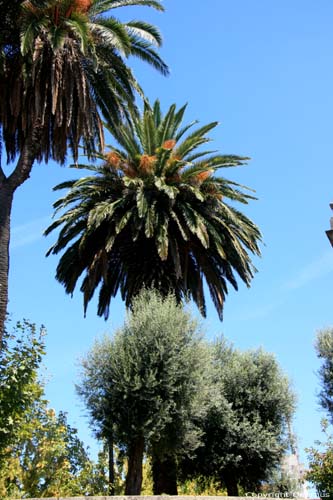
point(6, 199)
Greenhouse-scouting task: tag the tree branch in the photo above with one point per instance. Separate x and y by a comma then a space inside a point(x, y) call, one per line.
point(26, 159)
point(23, 167)
point(3, 177)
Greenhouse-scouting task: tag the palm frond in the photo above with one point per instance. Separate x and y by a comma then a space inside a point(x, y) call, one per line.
point(111, 32)
point(166, 125)
point(194, 140)
point(145, 31)
point(101, 6)
point(144, 51)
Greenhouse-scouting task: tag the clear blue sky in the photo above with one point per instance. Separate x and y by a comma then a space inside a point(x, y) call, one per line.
point(265, 71)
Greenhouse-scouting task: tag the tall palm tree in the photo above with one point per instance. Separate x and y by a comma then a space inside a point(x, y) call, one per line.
point(62, 63)
point(154, 213)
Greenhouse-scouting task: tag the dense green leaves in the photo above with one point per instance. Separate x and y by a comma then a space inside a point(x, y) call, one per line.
point(320, 457)
point(324, 349)
point(154, 214)
point(19, 361)
point(245, 429)
point(146, 383)
point(320, 471)
point(206, 411)
point(48, 459)
point(40, 453)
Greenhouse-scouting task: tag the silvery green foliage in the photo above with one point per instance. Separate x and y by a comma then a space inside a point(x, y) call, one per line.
point(149, 378)
point(246, 427)
point(324, 349)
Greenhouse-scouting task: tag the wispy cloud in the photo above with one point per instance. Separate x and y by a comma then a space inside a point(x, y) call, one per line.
point(28, 233)
point(312, 271)
point(262, 311)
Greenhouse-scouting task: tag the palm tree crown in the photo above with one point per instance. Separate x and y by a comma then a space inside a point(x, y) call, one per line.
point(63, 61)
point(155, 214)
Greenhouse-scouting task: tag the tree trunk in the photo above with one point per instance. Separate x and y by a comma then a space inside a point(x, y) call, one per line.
point(231, 483)
point(164, 476)
point(8, 185)
point(111, 466)
point(134, 473)
point(6, 199)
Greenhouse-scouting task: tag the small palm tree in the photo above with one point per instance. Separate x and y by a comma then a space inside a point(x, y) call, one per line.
point(155, 214)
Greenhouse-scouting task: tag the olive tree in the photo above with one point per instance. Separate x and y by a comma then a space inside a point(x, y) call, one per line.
point(141, 386)
point(245, 430)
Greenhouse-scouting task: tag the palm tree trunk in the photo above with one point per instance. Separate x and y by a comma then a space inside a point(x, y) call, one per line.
point(164, 476)
point(6, 199)
point(134, 473)
point(8, 185)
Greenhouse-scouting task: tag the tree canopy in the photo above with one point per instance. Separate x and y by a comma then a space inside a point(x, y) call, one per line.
point(142, 385)
point(245, 431)
point(63, 63)
point(40, 452)
point(320, 456)
point(155, 213)
point(198, 410)
point(19, 388)
point(320, 471)
point(324, 349)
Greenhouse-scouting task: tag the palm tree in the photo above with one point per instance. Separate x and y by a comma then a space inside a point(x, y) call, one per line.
point(155, 214)
point(62, 63)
